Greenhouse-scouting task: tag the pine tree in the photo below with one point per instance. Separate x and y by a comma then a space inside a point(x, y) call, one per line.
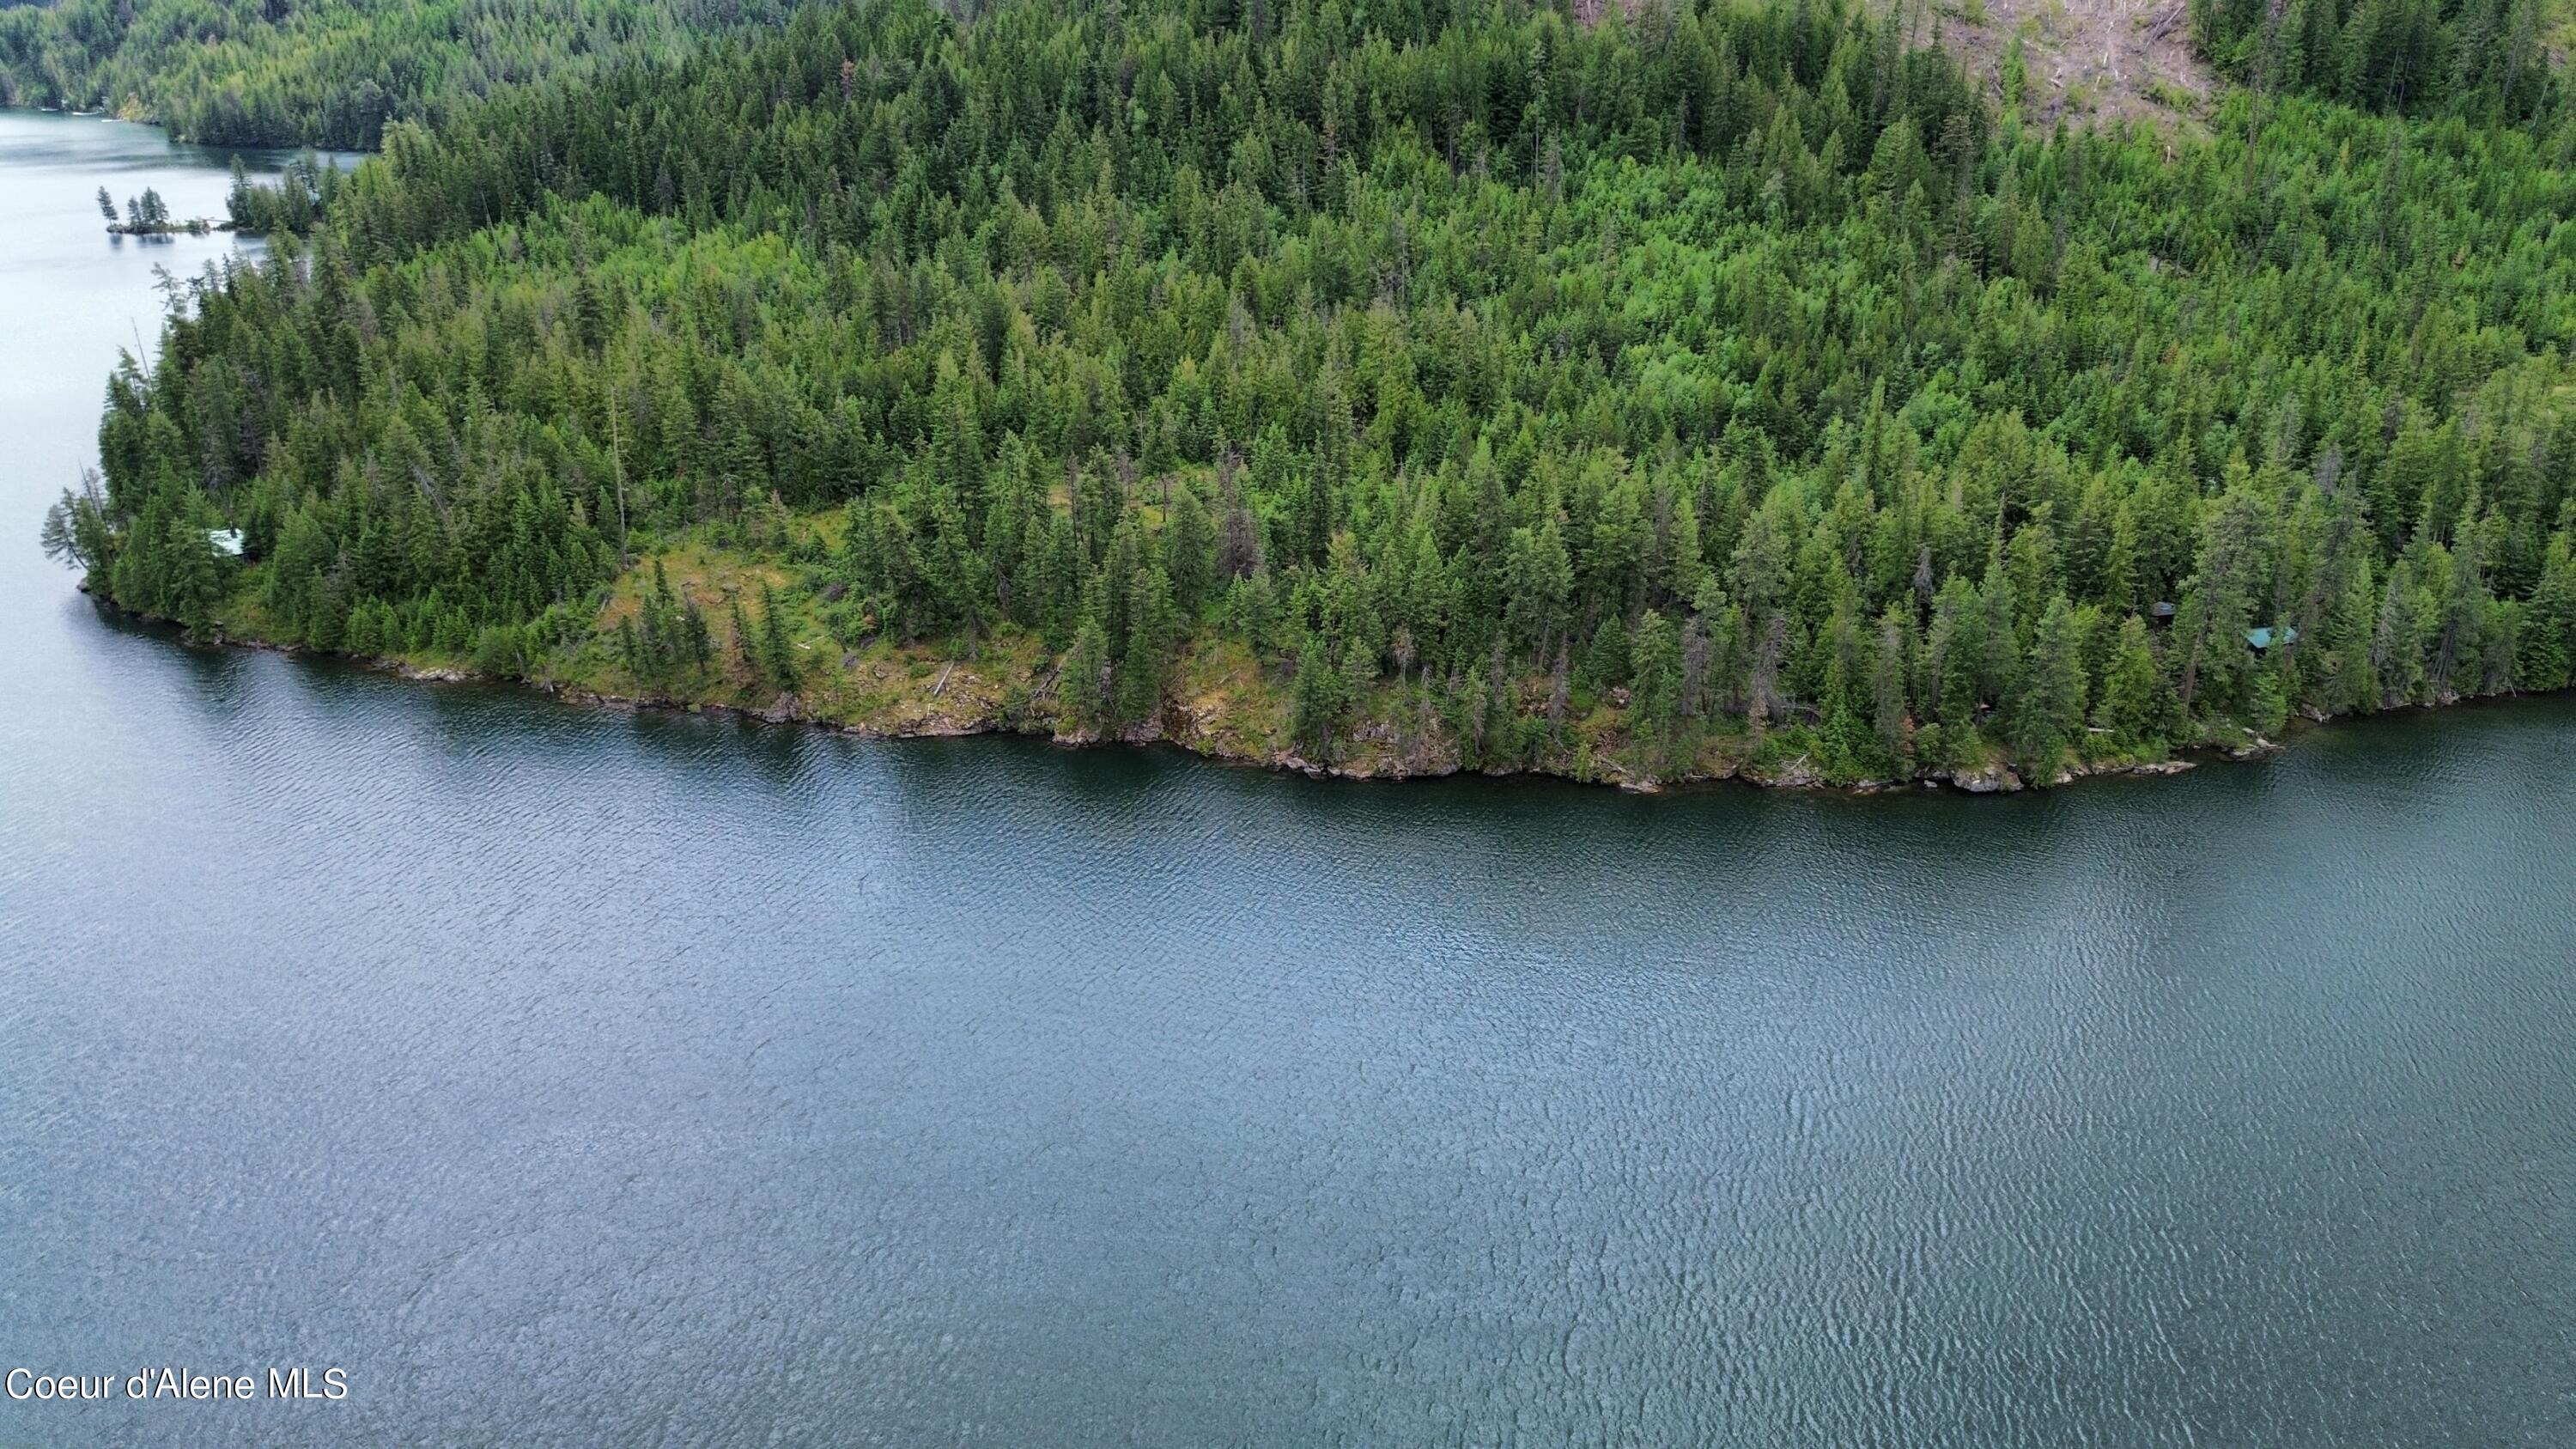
point(1087, 687)
point(1848, 745)
point(1956, 656)
point(699, 639)
point(2134, 696)
point(1605, 660)
point(777, 650)
point(745, 650)
point(2048, 717)
point(1999, 663)
point(1189, 550)
point(1152, 626)
point(1654, 707)
point(240, 201)
point(1318, 699)
point(1889, 667)
point(2545, 657)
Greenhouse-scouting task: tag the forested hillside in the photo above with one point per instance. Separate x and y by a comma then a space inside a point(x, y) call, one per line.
point(327, 72)
point(1496, 388)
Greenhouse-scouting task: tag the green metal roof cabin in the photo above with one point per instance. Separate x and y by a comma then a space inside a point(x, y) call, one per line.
point(2262, 638)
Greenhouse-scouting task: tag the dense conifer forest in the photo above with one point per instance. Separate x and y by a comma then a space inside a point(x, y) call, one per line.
point(1635, 392)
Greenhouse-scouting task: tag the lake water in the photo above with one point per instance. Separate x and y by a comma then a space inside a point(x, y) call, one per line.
point(567, 1076)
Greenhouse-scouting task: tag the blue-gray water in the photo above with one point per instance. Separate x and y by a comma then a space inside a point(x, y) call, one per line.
point(565, 1076)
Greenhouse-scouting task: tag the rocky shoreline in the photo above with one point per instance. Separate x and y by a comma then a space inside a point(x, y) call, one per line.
point(1194, 737)
point(1178, 727)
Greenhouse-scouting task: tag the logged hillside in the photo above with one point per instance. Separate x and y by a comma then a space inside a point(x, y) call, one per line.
point(1699, 389)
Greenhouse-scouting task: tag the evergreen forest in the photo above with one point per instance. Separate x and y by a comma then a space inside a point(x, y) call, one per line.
point(1629, 392)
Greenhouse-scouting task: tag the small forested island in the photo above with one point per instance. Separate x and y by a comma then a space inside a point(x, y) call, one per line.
point(149, 215)
point(1629, 392)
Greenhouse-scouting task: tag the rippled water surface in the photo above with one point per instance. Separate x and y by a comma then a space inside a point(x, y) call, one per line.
point(570, 1076)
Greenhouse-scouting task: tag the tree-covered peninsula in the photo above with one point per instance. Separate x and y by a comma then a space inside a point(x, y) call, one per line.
point(1637, 392)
